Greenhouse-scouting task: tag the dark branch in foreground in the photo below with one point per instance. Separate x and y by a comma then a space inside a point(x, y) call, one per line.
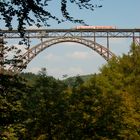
point(33, 12)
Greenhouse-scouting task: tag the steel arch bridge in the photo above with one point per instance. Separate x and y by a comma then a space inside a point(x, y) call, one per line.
point(49, 37)
point(34, 51)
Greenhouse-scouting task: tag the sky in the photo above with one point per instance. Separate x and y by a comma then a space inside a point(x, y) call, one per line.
point(75, 59)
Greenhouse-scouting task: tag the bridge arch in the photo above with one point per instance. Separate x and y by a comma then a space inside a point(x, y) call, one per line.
point(34, 51)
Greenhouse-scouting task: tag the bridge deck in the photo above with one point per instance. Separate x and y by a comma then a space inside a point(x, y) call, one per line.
point(74, 30)
point(49, 33)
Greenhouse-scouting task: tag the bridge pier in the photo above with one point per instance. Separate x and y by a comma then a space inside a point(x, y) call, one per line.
point(137, 40)
point(107, 47)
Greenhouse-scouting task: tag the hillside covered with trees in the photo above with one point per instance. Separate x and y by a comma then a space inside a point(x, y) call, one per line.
point(106, 107)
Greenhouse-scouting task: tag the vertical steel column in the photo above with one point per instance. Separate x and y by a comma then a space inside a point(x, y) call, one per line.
point(1, 54)
point(41, 39)
point(133, 38)
point(107, 47)
point(138, 40)
point(94, 39)
point(28, 46)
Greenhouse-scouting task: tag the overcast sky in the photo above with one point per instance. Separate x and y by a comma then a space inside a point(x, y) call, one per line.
point(72, 58)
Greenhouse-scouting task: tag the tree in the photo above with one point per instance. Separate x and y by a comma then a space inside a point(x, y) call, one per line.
point(105, 107)
point(119, 81)
point(82, 111)
point(45, 108)
point(22, 11)
point(108, 106)
point(12, 91)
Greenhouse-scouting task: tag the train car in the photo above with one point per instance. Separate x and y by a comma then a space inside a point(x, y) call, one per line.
point(95, 27)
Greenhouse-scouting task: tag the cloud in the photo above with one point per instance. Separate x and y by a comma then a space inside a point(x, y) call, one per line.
point(52, 57)
point(69, 44)
point(33, 70)
point(79, 55)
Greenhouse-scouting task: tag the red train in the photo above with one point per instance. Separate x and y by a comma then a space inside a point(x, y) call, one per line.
point(95, 27)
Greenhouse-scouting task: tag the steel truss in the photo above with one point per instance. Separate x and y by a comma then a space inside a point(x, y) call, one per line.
point(52, 33)
point(54, 36)
point(31, 53)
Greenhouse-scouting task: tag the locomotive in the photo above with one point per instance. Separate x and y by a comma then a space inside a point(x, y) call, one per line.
point(95, 27)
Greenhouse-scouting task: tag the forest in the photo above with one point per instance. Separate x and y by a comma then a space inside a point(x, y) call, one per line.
point(104, 107)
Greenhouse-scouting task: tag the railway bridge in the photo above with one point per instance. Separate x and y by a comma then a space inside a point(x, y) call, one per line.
point(49, 37)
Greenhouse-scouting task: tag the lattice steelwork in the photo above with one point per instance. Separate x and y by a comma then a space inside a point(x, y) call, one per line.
point(52, 33)
point(29, 55)
point(86, 37)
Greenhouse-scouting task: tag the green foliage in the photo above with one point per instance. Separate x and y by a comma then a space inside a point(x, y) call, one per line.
point(12, 90)
point(45, 112)
point(120, 76)
point(71, 80)
point(106, 107)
